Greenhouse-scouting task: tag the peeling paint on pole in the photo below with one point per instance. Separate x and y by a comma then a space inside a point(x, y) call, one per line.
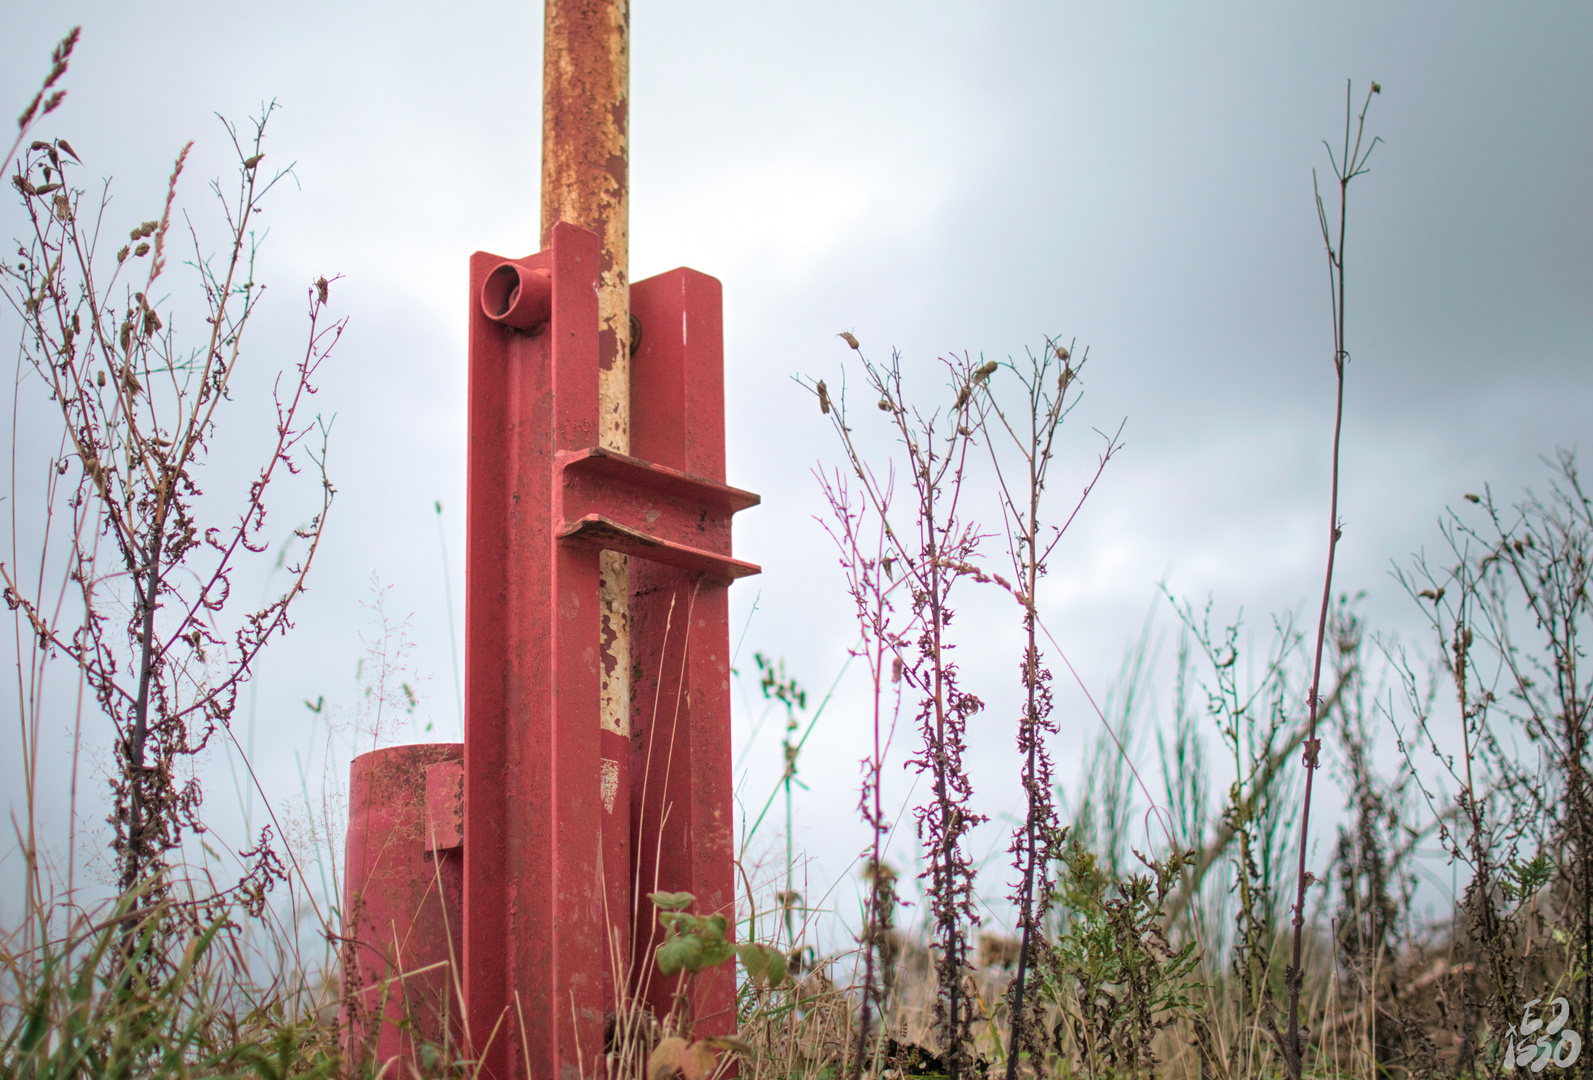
point(586, 182)
point(586, 172)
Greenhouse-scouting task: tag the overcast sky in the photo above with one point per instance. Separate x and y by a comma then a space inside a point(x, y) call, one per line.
point(932, 177)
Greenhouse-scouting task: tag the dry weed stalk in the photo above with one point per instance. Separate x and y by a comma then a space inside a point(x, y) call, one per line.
point(1350, 163)
point(934, 549)
point(1259, 725)
point(880, 552)
point(137, 594)
point(1521, 814)
point(1372, 867)
point(48, 99)
point(1032, 434)
point(868, 564)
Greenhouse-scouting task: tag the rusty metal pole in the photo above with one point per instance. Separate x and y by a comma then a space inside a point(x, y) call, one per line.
point(586, 172)
point(586, 182)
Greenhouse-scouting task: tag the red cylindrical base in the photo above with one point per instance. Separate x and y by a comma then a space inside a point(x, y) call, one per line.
point(403, 909)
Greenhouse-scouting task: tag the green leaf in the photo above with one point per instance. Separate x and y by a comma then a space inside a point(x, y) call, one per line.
point(684, 951)
point(38, 1024)
point(765, 966)
point(671, 901)
point(716, 952)
point(777, 973)
point(754, 960)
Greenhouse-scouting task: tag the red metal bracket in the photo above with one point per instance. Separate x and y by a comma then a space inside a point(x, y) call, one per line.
point(624, 504)
point(445, 805)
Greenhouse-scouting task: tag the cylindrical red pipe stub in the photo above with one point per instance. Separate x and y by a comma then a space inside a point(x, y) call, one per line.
point(403, 904)
point(518, 296)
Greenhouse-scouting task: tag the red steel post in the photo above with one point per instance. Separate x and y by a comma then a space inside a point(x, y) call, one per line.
point(681, 784)
point(550, 884)
point(535, 985)
point(582, 791)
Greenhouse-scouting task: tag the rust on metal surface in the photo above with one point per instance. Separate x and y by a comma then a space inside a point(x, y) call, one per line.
point(586, 172)
point(586, 182)
point(445, 805)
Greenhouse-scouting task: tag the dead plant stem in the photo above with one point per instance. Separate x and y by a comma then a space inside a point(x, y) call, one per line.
point(1350, 165)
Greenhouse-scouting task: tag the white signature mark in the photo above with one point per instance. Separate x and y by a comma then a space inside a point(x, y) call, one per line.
point(1555, 1042)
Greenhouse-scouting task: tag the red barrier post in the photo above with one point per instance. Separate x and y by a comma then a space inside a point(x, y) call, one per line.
point(597, 657)
point(552, 879)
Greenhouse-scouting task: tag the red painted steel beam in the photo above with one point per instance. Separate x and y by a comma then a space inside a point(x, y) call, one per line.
point(536, 985)
point(553, 799)
point(620, 503)
point(681, 777)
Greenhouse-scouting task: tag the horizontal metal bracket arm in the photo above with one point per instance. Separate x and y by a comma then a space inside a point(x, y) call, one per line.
point(620, 503)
